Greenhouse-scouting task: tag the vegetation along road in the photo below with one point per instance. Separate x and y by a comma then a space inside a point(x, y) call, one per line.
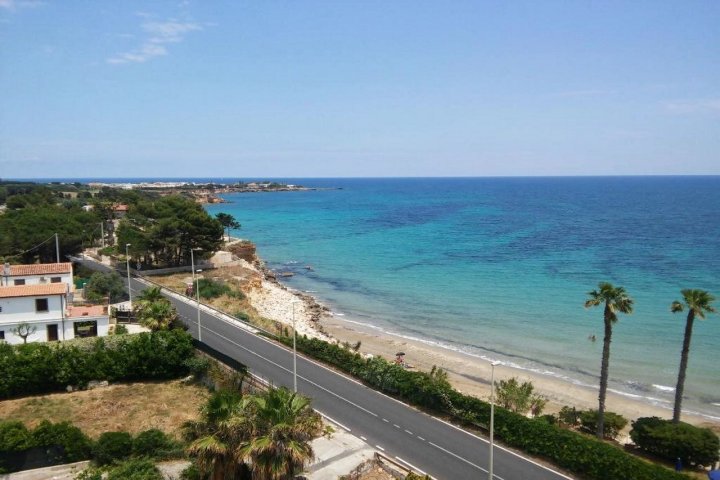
point(419, 440)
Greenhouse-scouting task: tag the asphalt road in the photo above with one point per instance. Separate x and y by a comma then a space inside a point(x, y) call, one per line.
point(411, 437)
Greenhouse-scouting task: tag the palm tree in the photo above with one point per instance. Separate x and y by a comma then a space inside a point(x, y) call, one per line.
point(615, 300)
point(217, 435)
point(157, 315)
point(283, 425)
point(151, 294)
point(698, 303)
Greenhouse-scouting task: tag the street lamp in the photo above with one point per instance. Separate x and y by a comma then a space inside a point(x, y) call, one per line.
point(492, 417)
point(295, 302)
point(127, 262)
point(197, 291)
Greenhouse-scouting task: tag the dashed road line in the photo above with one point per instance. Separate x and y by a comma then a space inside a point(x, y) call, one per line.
point(409, 432)
point(380, 448)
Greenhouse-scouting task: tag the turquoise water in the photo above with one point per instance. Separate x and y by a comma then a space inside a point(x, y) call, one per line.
point(500, 267)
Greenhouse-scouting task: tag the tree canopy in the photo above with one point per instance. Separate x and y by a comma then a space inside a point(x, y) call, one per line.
point(164, 231)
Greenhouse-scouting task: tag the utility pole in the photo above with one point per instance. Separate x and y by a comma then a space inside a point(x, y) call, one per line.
point(57, 249)
point(102, 234)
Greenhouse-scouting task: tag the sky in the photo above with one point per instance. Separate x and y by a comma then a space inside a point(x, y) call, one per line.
point(358, 88)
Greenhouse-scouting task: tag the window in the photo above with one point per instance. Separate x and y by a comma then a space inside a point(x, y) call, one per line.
point(2, 335)
point(55, 279)
point(41, 305)
point(85, 329)
point(19, 281)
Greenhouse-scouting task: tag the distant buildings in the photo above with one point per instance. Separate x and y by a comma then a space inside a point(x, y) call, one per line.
point(38, 298)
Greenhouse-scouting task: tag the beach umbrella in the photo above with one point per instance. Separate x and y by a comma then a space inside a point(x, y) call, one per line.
point(400, 354)
point(714, 475)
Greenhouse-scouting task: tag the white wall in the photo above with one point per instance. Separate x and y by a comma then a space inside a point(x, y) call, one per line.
point(40, 334)
point(66, 277)
point(22, 309)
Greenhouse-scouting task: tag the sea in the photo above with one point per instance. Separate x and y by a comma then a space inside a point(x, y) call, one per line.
point(500, 268)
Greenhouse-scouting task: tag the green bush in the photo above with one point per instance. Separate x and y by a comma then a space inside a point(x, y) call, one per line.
point(112, 446)
point(212, 289)
point(14, 436)
point(108, 251)
point(46, 367)
point(192, 472)
point(76, 445)
point(670, 441)
point(613, 423)
point(120, 329)
point(198, 365)
point(152, 443)
point(242, 315)
point(135, 469)
point(89, 474)
point(586, 457)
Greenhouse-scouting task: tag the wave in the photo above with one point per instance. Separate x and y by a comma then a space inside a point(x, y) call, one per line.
point(664, 388)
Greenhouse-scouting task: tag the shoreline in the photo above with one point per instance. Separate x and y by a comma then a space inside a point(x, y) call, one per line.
point(467, 373)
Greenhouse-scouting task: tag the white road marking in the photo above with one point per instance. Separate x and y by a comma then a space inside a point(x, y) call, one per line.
point(363, 438)
point(408, 432)
point(412, 467)
point(420, 438)
point(396, 425)
point(332, 420)
point(386, 420)
point(379, 448)
point(458, 457)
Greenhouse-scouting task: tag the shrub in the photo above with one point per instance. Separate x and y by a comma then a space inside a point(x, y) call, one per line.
point(42, 367)
point(198, 365)
point(212, 289)
point(192, 472)
point(120, 329)
point(152, 443)
point(14, 436)
point(613, 423)
point(242, 315)
point(569, 416)
point(89, 474)
point(112, 446)
point(75, 443)
point(693, 445)
point(135, 469)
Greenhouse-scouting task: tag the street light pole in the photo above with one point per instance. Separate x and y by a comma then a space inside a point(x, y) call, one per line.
point(127, 262)
point(492, 417)
point(294, 348)
point(197, 291)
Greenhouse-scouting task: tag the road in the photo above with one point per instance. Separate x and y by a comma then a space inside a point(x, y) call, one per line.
point(421, 441)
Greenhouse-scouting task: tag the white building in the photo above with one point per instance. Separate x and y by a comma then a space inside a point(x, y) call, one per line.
point(39, 296)
point(37, 274)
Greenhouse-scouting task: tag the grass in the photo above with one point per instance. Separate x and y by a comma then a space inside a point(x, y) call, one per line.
point(131, 407)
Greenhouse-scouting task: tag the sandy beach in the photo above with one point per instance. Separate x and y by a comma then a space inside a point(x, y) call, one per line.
point(468, 374)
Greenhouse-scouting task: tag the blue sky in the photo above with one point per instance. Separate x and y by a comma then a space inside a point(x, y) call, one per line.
point(365, 88)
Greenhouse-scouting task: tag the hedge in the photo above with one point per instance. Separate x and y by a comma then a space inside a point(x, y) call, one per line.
point(47, 367)
point(578, 453)
point(668, 440)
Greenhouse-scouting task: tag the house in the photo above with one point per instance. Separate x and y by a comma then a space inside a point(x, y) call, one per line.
point(40, 296)
point(37, 274)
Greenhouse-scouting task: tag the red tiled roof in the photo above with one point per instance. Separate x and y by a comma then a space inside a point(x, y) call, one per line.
point(40, 269)
point(121, 208)
point(33, 290)
point(88, 311)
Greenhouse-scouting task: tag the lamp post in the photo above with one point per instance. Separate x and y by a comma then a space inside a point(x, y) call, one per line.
point(492, 417)
point(127, 262)
point(294, 347)
point(197, 292)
